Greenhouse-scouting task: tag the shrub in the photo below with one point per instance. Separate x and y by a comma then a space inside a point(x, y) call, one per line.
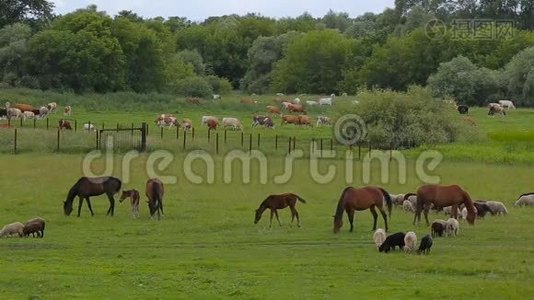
point(406, 120)
point(219, 85)
point(194, 87)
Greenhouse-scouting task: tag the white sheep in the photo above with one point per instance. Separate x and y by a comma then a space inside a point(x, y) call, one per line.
point(11, 229)
point(452, 227)
point(497, 208)
point(448, 211)
point(407, 206)
point(379, 237)
point(410, 241)
point(525, 200)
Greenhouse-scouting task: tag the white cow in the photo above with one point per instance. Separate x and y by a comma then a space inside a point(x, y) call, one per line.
point(67, 110)
point(296, 100)
point(14, 113)
point(28, 115)
point(233, 123)
point(312, 103)
point(89, 127)
point(216, 97)
point(43, 112)
point(325, 101)
point(507, 104)
point(51, 107)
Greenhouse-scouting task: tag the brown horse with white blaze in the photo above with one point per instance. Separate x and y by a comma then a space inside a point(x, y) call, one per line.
point(442, 196)
point(281, 201)
point(369, 197)
point(154, 192)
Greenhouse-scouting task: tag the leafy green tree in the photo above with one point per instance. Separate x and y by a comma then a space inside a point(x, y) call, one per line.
point(313, 63)
point(519, 77)
point(194, 58)
point(33, 12)
point(13, 52)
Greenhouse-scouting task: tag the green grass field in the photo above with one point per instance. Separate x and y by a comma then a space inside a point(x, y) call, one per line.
point(207, 247)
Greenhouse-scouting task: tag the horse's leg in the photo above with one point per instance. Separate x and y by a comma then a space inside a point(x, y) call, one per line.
point(161, 205)
point(454, 211)
point(350, 215)
point(80, 206)
point(375, 216)
point(89, 205)
point(427, 208)
point(111, 205)
point(277, 218)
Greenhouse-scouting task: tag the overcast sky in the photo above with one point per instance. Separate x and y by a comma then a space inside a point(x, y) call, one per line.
point(198, 10)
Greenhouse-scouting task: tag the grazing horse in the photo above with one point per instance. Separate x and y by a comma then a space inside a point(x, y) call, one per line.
point(133, 194)
point(442, 196)
point(154, 192)
point(87, 187)
point(281, 201)
point(361, 199)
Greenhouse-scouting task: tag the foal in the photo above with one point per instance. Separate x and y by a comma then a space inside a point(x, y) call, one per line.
point(133, 194)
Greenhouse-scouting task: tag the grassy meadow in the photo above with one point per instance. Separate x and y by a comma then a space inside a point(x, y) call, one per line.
point(207, 247)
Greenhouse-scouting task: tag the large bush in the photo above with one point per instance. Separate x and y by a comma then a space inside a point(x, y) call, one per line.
point(405, 120)
point(194, 86)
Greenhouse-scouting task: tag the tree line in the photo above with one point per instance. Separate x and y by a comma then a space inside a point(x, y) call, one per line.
point(418, 42)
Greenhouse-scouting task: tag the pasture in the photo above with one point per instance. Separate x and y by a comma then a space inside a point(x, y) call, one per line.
point(206, 245)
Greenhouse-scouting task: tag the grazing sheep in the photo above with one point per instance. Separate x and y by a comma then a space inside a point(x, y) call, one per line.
point(410, 241)
point(396, 239)
point(425, 245)
point(412, 198)
point(497, 208)
point(34, 226)
point(452, 227)
point(438, 227)
point(407, 206)
point(448, 211)
point(525, 200)
point(482, 208)
point(11, 229)
point(397, 199)
point(379, 236)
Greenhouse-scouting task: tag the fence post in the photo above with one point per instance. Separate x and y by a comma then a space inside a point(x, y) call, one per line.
point(225, 136)
point(144, 133)
point(185, 137)
point(132, 129)
point(321, 147)
point(58, 138)
point(21, 122)
point(118, 127)
point(96, 139)
point(193, 133)
point(76, 125)
point(294, 143)
point(369, 143)
point(161, 132)
point(15, 142)
point(34, 122)
point(313, 144)
point(359, 151)
point(289, 145)
point(103, 126)
point(177, 132)
point(276, 142)
point(209, 134)
point(242, 139)
point(217, 143)
point(47, 122)
point(250, 143)
point(259, 139)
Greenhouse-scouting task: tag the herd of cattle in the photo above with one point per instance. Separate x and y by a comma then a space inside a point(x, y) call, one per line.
point(27, 111)
point(494, 108)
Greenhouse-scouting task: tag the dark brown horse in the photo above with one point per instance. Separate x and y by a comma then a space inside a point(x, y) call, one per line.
point(442, 196)
point(281, 201)
point(154, 192)
point(87, 187)
point(361, 199)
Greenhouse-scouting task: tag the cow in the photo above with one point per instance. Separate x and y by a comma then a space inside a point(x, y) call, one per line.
point(296, 100)
point(67, 110)
point(216, 97)
point(326, 101)
point(89, 127)
point(233, 123)
point(290, 119)
point(13, 113)
point(274, 110)
point(168, 121)
point(266, 121)
point(496, 109)
point(212, 124)
point(28, 115)
point(463, 109)
point(322, 120)
point(305, 120)
point(43, 112)
point(507, 104)
point(248, 101)
point(187, 124)
point(205, 119)
point(51, 107)
point(296, 108)
point(23, 107)
point(312, 103)
point(64, 124)
point(286, 104)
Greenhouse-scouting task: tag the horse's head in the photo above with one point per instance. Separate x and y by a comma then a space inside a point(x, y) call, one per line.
point(124, 195)
point(257, 216)
point(67, 207)
point(337, 224)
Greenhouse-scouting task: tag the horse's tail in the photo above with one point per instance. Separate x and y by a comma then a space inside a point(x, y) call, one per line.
point(389, 203)
point(340, 205)
point(300, 199)
point(406, 196)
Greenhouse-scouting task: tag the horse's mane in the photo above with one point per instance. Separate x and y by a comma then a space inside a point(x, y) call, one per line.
point(526, 194)
point(73, 192)
point(340, 208)
point(469, 205)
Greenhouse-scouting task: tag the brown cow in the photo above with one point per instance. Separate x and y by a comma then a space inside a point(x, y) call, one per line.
point(248, 101)
point(212, 124)
point(273, 110)
point(24, 107)
point(305, 120)
point(290, 119)
point(296, 108)
point(64, 124)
